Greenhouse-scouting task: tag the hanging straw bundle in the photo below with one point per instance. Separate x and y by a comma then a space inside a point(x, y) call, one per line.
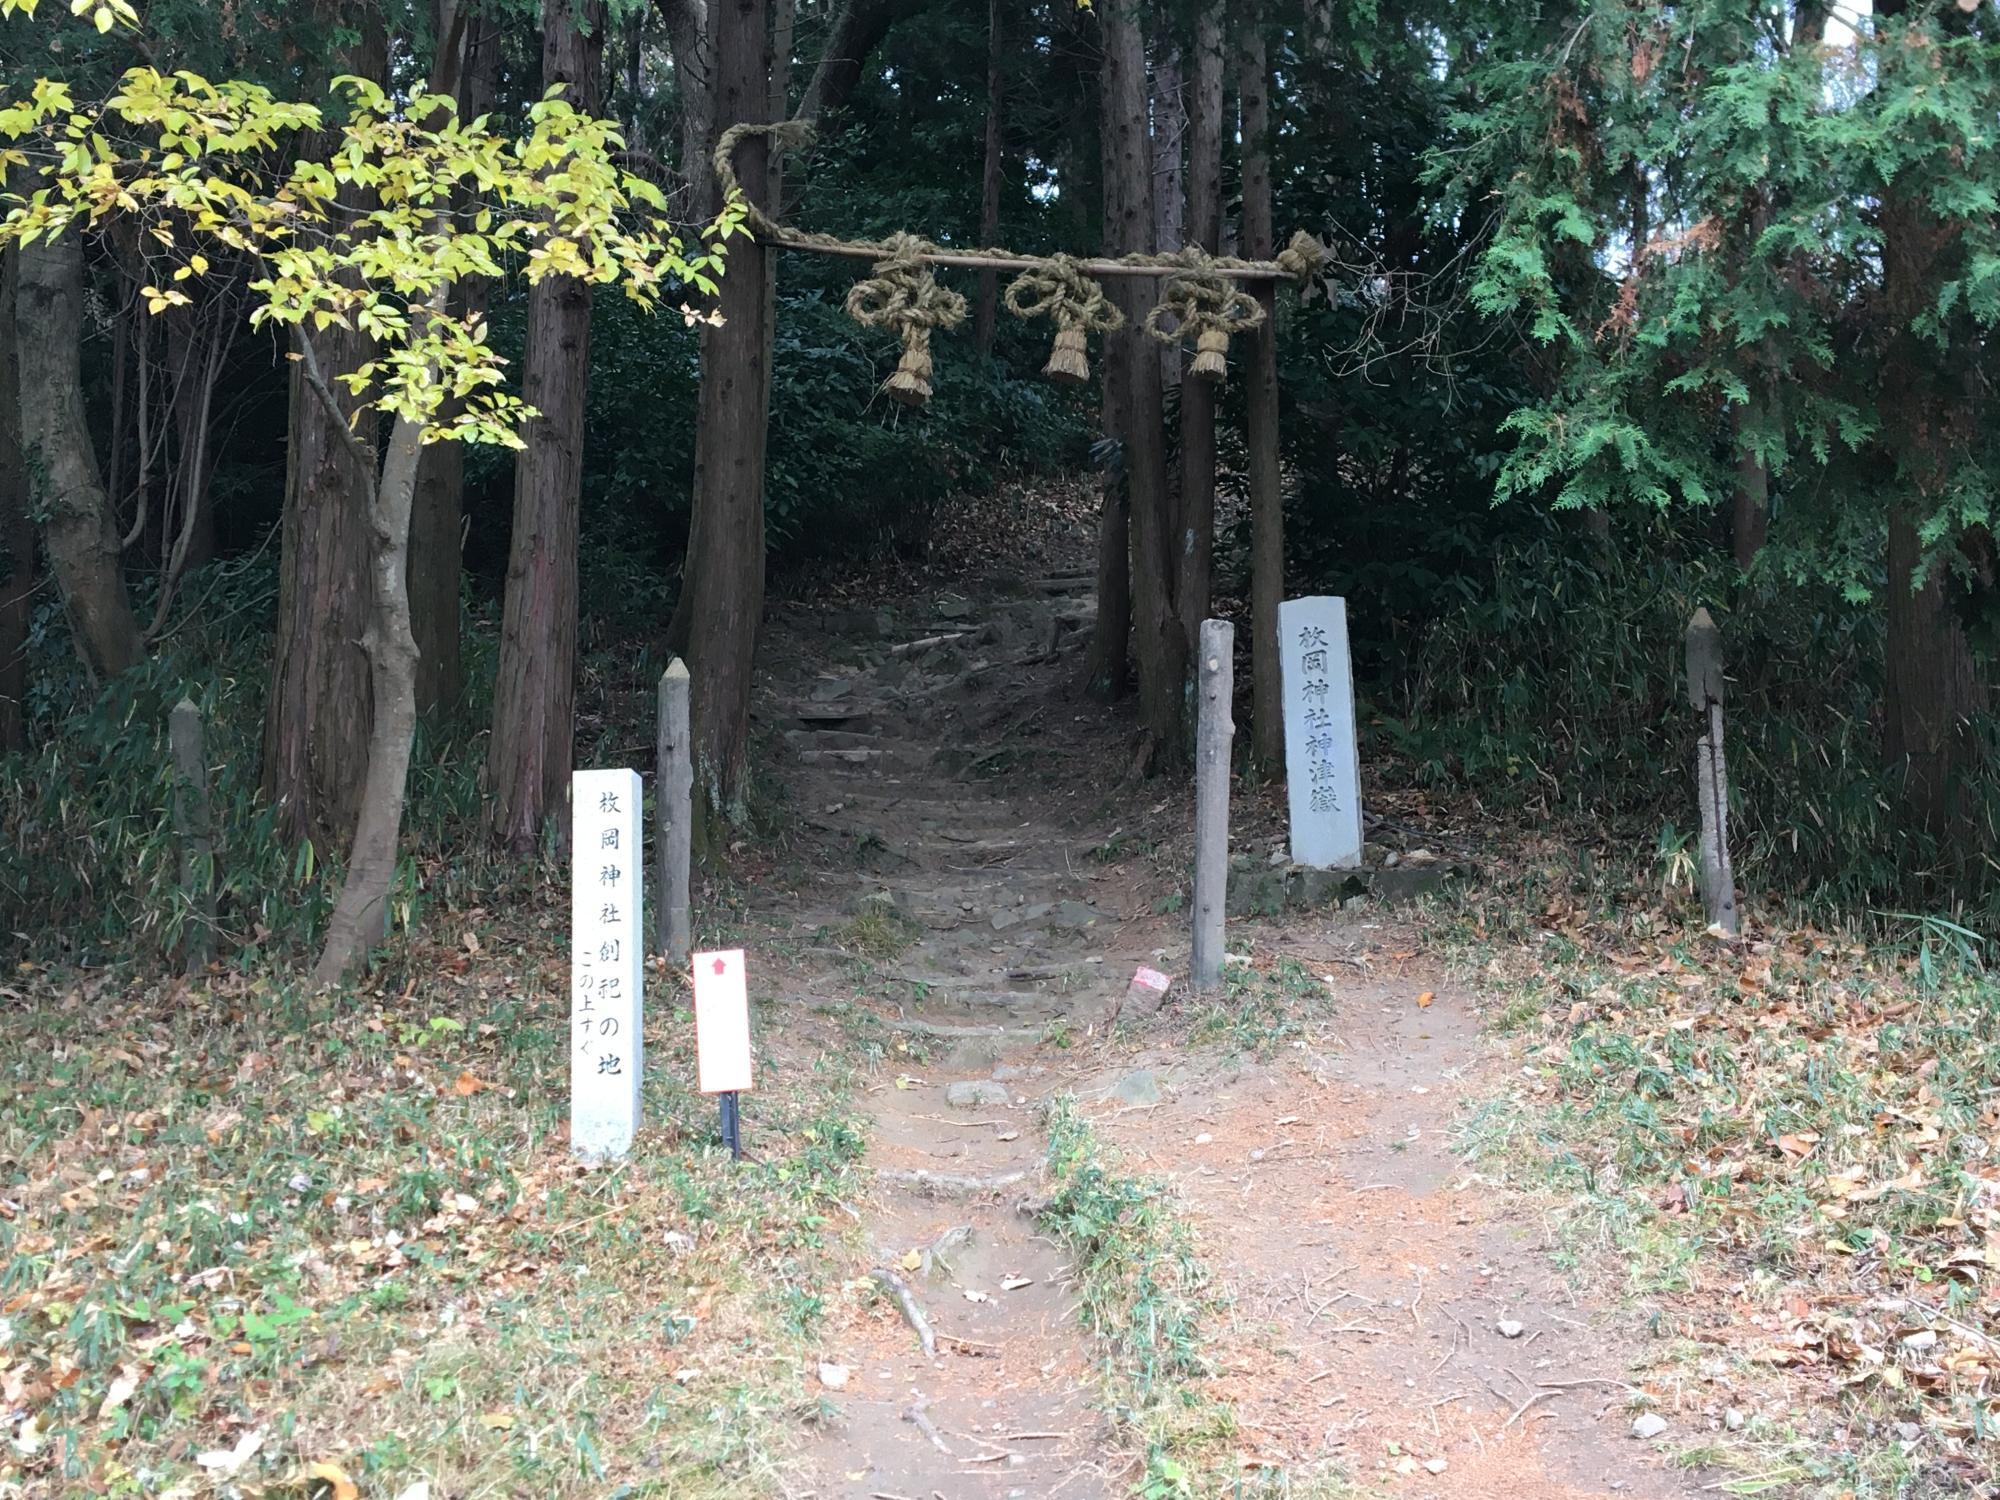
point(903, 297)
point(1202, 302)
point(1058, 290)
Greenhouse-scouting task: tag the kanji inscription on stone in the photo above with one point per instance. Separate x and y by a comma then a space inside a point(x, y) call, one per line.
point(1322, 759)
point(606, 995)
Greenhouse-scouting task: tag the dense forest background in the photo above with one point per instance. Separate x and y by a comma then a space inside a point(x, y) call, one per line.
point(1629, 308)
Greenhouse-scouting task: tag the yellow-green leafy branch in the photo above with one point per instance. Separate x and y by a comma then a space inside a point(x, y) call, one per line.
point(409, 201)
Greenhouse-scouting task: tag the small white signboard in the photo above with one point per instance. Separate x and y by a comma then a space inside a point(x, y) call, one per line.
point(607, 1009)
point(722, 1022)
point(1322, 755)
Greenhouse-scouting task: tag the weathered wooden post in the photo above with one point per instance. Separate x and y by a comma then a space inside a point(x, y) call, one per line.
point(1704, 675)
point(673, 818)
point(196, 831)
point(1215, 671)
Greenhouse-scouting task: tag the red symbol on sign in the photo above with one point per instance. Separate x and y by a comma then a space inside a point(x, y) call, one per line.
point(721, 966)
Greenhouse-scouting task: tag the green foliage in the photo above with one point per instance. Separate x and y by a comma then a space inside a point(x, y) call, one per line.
point(1561, 690)
point(1145, 1295)
point(186, 165)
point(1819, 237)
point(848, 475)
point(1393, 391)
point(89, 864)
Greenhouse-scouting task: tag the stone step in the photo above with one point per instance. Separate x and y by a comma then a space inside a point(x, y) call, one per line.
point(910, 802)
point(818, 738)
point(930, 996)
point(873, 760)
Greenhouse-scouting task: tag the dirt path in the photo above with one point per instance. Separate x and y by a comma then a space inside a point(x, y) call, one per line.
point(1398, 1318)
point(1395, 1320)
point(986, 931)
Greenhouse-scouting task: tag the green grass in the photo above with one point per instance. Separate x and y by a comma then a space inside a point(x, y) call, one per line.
point(354, 1227)
point(1146, 1298)
point(1150, 1305)
point(879, 930)
point(1260, 1011)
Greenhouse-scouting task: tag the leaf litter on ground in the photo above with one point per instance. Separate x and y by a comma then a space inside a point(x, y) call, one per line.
point(1806, 1124)
point(252, 1238)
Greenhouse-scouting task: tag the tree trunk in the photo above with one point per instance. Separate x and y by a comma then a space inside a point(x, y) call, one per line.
point(360, 916)
point(635, 80)
point(857, 29)
point(784, 36)
point(1931, 688)
point(1169, 124)
point(986, 307)
point(17, 532)
point(1267, 516)
point(437, 518)
point(534, 730)
point(318, 713)
point(725, 569)
point(316, 721)
point(1750, 510)
point(67, 488)
point(1809, 19)
point(1194, 591)
point(437, 529)
point(1159, 649)
point(690, 39)
point(1107, 667)
point(198, 340)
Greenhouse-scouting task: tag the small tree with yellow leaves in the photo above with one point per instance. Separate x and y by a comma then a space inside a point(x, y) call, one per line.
point(198, 166)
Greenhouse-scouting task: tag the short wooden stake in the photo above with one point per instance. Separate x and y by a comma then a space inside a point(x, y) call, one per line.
point(673, 819)
point(196, 831)
point(1705, 682)
point(1216, 674)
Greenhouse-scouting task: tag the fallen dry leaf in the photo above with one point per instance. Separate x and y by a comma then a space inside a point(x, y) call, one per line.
point(469, 1085)
point(123, 1384)
point(1424, 1000)
point(226, 1461)
point(339, 1486)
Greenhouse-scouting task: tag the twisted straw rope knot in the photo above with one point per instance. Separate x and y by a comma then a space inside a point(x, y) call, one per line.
point(905, 298)
point(1303, 257)
point(1058, 290)
point(784, 135)
point(1202, 302)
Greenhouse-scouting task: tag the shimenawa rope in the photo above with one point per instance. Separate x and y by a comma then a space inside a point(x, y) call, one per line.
point(903, 296)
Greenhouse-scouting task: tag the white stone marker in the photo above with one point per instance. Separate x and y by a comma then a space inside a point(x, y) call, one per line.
point(1322, 755)
point(606, 977)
